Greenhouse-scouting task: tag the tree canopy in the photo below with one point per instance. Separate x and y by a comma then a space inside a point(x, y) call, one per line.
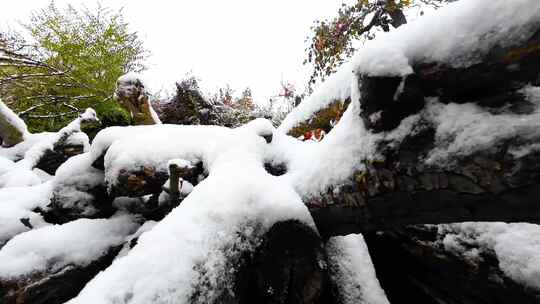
point(331, 41)
point(67, 60)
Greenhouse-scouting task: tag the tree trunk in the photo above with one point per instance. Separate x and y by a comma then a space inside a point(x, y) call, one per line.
point(413, 267)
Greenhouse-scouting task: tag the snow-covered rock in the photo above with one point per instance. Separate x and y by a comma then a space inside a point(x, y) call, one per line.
point(51, 248)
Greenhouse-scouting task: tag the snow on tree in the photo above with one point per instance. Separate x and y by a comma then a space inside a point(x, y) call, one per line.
point(12, 129)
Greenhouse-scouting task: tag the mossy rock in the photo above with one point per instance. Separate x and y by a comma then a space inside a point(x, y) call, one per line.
point(110, 113)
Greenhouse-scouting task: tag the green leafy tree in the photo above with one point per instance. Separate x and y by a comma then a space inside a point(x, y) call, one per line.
point(331, 41)
point(71, 61)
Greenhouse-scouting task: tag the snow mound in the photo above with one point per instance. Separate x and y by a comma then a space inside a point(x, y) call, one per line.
point(73, 181)
point(53, 247)
point(22, 174)
point(462, 129)
point(459, 35)
point(17, 203)
point(515, 245)
point(353, 272)
point(211, 225)
point(5, 165)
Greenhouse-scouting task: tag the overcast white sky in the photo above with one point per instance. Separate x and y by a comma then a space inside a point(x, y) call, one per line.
point(243, 43)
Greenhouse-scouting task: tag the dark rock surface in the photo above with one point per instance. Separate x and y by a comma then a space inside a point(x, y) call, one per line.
point(288, 267)
point(493, 82)
point(54, 288)
point(52, 159)
point(413, 268)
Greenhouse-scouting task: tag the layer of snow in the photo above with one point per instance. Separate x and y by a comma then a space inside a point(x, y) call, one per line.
point(225, 214)
point(27, 198)
point(130, 79)
point(312, 167)
point(73, 180)
point(17, 152)
point(459, 34)
point(193, 144)
point(11, 224)
point(5, 165)
point(147, 226)
point(18, 203)
point(33, 155)
point(352, 271)
point(516, 246)
point(13, 119)
point(51, 248)
point(19, 177)
point(462, 129)
point(22, 173)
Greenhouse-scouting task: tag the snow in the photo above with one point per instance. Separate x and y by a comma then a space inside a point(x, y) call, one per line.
point(194, 144)
point(22, 174)
point(462, 129)
point(32, 156)
point(51, 248)
point(147, 226)
point(11, 225)
point(72, 181)
point(5, 165)
point(352, 271)
point(17, 152)
point(180, 163)
point(42, 175)
point(17, 203)
point(12, 119)
point(154, 115)
point(313, 167)
point(228, 212)
point(28, 198)
point(19, 177)
point(211, 225)
point(130, 79)
point(516, 246)
point(459, 34)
